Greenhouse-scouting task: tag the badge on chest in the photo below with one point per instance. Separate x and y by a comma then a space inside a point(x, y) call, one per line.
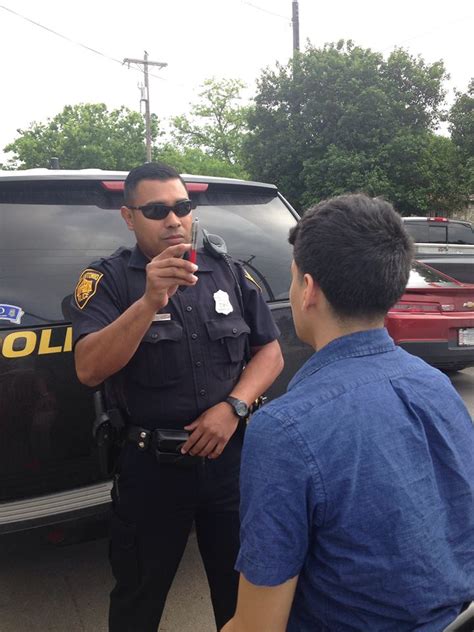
point(223, 304)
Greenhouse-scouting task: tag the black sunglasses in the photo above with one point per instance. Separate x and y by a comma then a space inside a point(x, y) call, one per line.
point(157, 210)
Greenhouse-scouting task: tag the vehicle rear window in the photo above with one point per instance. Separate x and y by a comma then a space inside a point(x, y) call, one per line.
point(438, 233)
point(45, 241)
point(418, 231)
point(255, 227)
point(423, 276)
point(460, 234)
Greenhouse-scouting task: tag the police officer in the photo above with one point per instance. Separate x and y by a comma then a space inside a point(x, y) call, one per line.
point(173, 335)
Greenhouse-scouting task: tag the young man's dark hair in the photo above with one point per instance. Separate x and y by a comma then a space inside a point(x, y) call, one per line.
point(148, 171)
point(357, 250)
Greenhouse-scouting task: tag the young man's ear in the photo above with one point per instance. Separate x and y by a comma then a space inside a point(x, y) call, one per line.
point(310, 291)
point(127, 215)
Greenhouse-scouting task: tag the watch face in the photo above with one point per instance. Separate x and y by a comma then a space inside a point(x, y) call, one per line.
point(241, 409)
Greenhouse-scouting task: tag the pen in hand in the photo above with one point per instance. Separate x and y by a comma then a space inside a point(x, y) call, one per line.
point(194, 236)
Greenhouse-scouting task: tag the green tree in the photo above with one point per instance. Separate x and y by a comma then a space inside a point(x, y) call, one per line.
point(84, 136)
point(217, 124)
point(342, 118)
point(461, 119)
point(196, 161)
point(461, 125)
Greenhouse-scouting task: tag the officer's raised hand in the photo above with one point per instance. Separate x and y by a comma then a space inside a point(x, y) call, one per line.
point(166, 272)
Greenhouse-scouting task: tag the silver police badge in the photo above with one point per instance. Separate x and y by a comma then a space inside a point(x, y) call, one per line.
point(223, 304)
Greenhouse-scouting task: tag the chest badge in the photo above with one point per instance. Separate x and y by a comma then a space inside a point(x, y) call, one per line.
point(223, 304)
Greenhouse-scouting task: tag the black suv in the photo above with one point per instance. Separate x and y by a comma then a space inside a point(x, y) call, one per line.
point(52, 225)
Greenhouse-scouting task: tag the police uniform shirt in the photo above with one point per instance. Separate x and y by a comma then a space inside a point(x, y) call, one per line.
point(193, 353)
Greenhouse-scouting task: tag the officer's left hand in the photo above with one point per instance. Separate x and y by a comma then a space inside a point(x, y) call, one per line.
point(211, 431)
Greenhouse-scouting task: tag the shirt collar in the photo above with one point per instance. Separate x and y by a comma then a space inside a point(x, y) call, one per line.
point(140, 261)
point(361, 343)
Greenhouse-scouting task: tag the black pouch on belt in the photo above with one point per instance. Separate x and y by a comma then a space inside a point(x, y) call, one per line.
point(167, 445)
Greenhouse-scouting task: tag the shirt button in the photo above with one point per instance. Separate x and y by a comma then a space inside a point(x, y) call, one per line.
point(202, 392)
point(234, 330)
point(189, 308)
point(199, 363)
point(154, 336)
point(194, 336)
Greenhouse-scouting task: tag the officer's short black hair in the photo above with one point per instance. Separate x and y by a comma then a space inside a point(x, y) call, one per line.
point(148, 171)
point(358, 252)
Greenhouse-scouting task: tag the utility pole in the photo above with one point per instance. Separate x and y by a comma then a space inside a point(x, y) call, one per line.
point(296, 26)
point(145, 63)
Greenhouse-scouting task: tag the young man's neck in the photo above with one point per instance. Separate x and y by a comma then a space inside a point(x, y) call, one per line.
point(337, 328)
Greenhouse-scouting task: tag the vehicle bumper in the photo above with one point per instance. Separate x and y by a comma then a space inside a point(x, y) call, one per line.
point(442, 354)
point(39, 511)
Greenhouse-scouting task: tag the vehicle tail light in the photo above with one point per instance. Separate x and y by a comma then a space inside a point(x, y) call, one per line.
point(437, 219)
point(416, 308)
point(112, 185)
point(197, 186)
point(117, 185)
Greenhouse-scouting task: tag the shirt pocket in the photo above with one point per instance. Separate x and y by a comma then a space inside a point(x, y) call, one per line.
point(160, 358)
point(227, 337)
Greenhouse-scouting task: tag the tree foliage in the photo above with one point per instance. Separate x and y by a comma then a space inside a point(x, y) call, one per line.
point(461, 119)
point(196, 161)
point(84, 136)
point(216, 124)
point(342, 118)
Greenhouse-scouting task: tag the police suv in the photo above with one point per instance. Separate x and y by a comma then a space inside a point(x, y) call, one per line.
point(52, 225)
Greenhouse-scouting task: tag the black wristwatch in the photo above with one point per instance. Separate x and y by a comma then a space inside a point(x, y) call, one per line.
point(240, 407)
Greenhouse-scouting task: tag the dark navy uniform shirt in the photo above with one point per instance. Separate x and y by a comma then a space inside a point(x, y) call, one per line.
point(190, 359)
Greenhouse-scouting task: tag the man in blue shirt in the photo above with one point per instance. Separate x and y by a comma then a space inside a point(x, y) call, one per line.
point(357, 486)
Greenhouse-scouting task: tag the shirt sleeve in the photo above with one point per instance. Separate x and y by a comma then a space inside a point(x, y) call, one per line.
point(276, 504)
point(257, 313)
point(95, 302)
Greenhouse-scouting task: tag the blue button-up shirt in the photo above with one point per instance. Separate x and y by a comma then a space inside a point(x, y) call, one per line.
point(360, 479)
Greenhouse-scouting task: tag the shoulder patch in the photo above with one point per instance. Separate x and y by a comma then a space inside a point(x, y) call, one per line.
point(250, 278)
point(87, 286)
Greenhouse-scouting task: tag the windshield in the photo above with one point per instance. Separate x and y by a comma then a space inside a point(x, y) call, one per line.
point(423, 276)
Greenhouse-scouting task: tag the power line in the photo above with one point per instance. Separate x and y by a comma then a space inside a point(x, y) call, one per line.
point(436, 28)
point(77, 43)
point(64, 37)
point(255, 6)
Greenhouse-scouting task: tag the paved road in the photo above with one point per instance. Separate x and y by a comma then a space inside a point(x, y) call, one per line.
point(46, 588)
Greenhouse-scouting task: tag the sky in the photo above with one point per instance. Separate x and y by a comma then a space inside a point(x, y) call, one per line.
point(41, 72)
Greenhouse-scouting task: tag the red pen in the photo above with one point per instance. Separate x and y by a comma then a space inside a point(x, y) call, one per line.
point(194, 236)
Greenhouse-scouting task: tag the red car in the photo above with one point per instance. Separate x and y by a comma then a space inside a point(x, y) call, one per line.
point(434, 319)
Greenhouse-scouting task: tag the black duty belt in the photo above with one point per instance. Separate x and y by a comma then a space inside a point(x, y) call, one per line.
point(164, 443)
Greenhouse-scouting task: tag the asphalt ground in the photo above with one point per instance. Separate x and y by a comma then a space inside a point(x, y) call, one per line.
point(59, 588)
